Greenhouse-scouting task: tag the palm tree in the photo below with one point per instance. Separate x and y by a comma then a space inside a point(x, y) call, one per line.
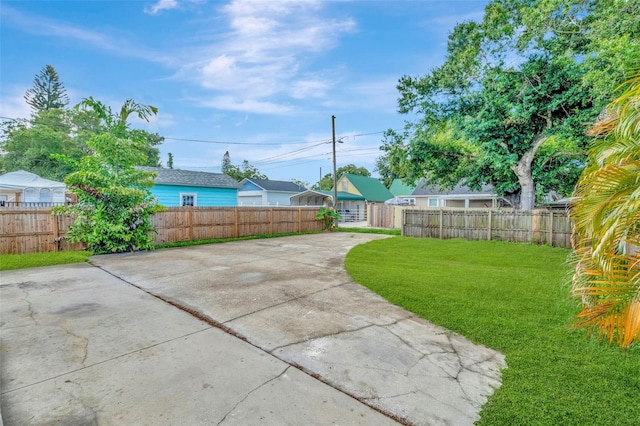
point(607, 224)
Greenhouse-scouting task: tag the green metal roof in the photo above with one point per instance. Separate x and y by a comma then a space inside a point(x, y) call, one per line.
point(344, 196)
point(399, 188)
point(370, 188)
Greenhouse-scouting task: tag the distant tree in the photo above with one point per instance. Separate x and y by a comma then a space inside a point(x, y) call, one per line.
point(29, 144)
point(114, 197)
point(170, 161)
point(326, 183)
point(300, 183)
point(246, 171)
point(47, 91)
point(227, 166)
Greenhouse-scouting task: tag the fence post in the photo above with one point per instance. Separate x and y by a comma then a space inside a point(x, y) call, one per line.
point(489, 225)
point(299, 219)
point(55, 231)
point(236, 224)
point(441, 224)
point(535, 231)
point(190, 223)
point(270, 221)
point(551, 228)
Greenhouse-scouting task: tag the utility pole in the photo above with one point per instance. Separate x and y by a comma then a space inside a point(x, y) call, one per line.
point(335, 178)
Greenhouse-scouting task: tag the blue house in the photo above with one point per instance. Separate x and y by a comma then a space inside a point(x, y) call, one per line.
point(175, 188)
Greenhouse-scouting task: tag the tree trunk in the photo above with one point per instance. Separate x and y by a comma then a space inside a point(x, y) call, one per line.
point(522, 169)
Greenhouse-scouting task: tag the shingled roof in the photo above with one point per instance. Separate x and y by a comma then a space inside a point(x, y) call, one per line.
point(191, 178)
point(276, 185)
point(427, 188)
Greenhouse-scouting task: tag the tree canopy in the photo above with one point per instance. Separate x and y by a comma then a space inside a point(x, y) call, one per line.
point(326, 183)
point(510, 104)
point(33, 144)
point(114, 197)
point(47, 92)
point(245, 171)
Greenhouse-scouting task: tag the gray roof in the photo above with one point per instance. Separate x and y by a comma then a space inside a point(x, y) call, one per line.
point(427, 188)
point(276, 185)
point(191, 178)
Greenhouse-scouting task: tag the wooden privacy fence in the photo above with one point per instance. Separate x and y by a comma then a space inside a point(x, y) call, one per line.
point(35, 230)
point(534, 226)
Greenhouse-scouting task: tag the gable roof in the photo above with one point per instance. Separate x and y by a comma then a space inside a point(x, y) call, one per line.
point(398, 188)
point(342, 196)
point(275, 185)
point(22, 179)
point(191, 178)
point(370, 188)
point(427, 188)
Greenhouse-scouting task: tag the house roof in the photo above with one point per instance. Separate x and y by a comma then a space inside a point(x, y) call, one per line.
point(398, 187)
point(370, 188)
point(427, 188)
point(22, 179)
point(191, 178)
point(275, 185)
point(342, 196)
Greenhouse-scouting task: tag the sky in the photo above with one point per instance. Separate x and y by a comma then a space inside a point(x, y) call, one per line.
point(260, 79)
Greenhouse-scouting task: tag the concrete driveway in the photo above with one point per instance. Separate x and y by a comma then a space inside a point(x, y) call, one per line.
point(269, 331)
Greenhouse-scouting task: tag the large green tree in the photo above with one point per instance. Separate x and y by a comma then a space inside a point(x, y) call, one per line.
point(509, 105)
point(114, 197)
point(47, 92)
point(29, 144)
point(326, 183)
point(245, 171)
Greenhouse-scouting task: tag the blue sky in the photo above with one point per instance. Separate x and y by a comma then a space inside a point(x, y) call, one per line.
point(260, 79)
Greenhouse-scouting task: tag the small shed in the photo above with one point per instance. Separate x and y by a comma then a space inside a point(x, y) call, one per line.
point(22, 188)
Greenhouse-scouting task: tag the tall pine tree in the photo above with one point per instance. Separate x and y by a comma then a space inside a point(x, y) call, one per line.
point(47, 91)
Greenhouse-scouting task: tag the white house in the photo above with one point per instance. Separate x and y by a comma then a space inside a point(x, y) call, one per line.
point(22, 188)
point(266, 192)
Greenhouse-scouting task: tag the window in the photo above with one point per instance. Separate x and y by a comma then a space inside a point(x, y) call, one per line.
point(433, 202)
point(344, 186)
point(188, 200)
point(46, 196)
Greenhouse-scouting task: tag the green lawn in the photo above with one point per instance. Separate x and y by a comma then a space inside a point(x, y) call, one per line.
point(513, 298)
point(19, 261)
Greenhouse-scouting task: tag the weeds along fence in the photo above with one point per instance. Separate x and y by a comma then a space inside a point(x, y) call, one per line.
point(534, 226)
point(35, 230)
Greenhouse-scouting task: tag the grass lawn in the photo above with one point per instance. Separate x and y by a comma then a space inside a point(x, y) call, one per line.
point(19, 261)
point(513, 298)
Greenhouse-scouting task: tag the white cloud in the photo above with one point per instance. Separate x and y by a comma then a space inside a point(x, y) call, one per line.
point(265, 53)
point(232, 103)
point(13, 105)
point(160, 6)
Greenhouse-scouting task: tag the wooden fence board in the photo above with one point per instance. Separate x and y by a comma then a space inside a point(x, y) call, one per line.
point(536, 226)
point(35, 230)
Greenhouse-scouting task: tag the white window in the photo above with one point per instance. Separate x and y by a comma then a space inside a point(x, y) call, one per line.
point(188, 199)
point(433, 202)
point(46, 196)
point(344, 186)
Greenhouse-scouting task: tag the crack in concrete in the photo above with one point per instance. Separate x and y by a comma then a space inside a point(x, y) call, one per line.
point(28, 302)
point(337, 333)
point(84, 339)
point(3, 392)
point(293, 299)
point(252, 391)
point(87, 408)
